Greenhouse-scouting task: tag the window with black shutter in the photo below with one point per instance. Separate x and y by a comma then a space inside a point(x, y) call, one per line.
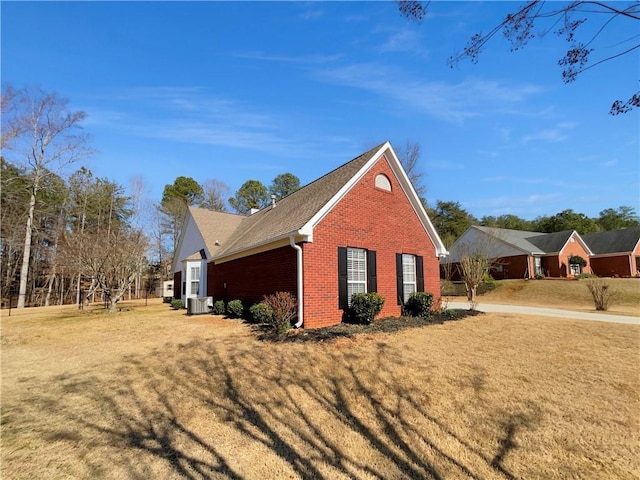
point(409, 276)
point(356, 273)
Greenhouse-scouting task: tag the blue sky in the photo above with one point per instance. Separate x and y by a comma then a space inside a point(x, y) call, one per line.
point(248, 90)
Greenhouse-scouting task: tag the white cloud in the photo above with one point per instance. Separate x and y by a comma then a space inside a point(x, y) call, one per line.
point(193, 116)
point(447, 101)
point(404, 40)
point(556, 134)
point(311, 59)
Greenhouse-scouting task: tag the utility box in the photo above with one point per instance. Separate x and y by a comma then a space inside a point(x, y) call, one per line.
point(199, 305)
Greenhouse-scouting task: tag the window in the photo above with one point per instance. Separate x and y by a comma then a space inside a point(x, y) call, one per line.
point(538, 266)
point(195, 280)
point(356, 273)
point(410, 275)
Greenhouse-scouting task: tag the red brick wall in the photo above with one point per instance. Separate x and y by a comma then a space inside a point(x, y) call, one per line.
point(250, 278)
point(369, 218)
point(612, 266)
point(514, 267)
point(559, 267)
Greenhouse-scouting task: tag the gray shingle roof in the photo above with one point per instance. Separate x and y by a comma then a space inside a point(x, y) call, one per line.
point(517, 238)
point(215, 227)
point(531, 242)
point(550, 242)
point(613, 241)
point(239, 233)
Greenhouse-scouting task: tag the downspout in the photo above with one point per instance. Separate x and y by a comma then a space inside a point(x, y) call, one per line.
point(299, 279)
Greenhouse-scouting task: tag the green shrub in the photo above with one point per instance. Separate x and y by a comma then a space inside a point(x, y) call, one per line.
point(235, 309)
point(261, 313)
point(284, 307)
point(577, 260)
point(365, 306)
point(219, 307)
point(582, 276)
point(539, 276)
point(177, 304)
point(419, 304)
point(167, 299)
point(486, 278)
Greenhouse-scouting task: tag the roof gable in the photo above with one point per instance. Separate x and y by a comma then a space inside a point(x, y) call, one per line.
point(204, 228)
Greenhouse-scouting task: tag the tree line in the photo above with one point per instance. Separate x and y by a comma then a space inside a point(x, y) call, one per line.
point(451, 221)
point(68, 237)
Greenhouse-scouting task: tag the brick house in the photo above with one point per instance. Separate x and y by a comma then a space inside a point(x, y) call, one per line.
point(359, 228)
point(616, 253)
point(520, 254)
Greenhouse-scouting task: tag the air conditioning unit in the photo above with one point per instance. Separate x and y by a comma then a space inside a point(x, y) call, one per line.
point(199, 305)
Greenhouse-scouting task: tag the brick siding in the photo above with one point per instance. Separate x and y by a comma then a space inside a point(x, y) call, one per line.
point(370, 218)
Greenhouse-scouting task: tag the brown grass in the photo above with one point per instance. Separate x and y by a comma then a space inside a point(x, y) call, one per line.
point(566, 294)
point(153, 393)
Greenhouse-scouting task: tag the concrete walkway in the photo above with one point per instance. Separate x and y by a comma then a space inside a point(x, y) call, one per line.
point(548, 312)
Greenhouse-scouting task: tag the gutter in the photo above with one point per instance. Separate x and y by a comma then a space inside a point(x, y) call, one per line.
point(299, 279)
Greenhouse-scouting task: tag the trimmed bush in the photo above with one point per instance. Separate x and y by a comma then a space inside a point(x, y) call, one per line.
point(177, 304)
point(365, 306)
point(261, 313)
point(219, 307)
point(284, 307)
point(539, 276)
point(235, 309)
point(167, 299)
point(419, 304)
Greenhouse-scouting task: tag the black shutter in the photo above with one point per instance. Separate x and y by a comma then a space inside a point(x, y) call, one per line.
point(342, 278)
point(399, 279)
point(372, 276)
point(419, 274)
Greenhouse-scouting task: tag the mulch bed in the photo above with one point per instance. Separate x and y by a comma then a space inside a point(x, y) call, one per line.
point(347, 330)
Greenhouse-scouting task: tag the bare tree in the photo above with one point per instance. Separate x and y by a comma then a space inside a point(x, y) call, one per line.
point(409, 156)
point(45, 141)
point(114, 259)
point(473, 268)
point(474, 255)
point(580, 23)
point(215, 195)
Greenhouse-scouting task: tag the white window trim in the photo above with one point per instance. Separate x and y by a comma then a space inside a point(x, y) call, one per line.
point(200, 279)
point(359, 284)
point(408, 283)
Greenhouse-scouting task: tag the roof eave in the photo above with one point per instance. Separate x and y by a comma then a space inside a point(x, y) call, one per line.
point(270, 244)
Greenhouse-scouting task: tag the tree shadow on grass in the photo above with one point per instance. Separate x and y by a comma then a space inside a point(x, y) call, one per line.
point(306, 411)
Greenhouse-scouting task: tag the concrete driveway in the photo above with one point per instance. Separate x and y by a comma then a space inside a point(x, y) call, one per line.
point(548, 312)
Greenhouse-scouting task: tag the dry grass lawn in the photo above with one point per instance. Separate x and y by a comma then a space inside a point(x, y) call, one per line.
point(153, 393)
point(566, 294)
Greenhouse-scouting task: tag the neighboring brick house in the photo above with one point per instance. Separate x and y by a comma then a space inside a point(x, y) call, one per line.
point(359, 228)
point(520, 254)
point(616, 253)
